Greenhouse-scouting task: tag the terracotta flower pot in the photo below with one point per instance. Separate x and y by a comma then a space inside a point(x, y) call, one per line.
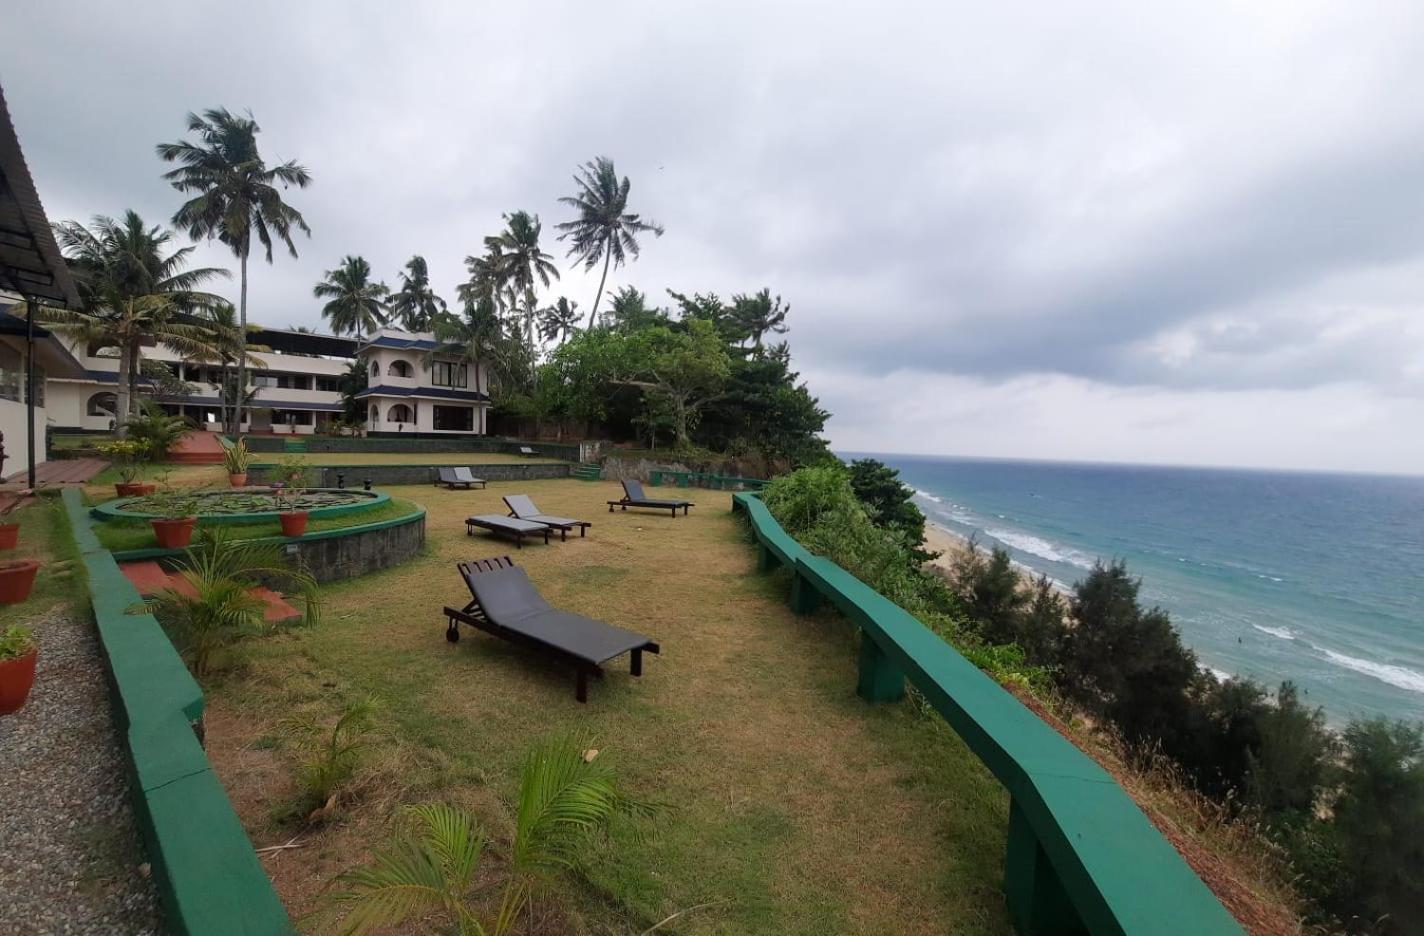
point(238, 480)
point(9, 535)
point(294, 522)
point(174, 534)
point(16, 678)
point(17, 577)
point(127, 488)
point(143, 490)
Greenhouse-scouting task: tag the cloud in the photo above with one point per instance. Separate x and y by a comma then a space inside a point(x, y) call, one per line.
point(1155, 204)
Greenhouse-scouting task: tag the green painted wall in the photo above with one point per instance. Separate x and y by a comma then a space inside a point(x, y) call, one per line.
point(208, 877)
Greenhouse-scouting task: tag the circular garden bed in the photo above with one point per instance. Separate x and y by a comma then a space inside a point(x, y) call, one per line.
point(248, 505)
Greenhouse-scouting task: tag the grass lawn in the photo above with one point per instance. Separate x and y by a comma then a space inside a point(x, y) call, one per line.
point(120, 535)
point(44, 535)
point(404, 458)
point(792, 806)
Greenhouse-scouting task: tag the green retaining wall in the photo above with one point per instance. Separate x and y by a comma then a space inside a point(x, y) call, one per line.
point(326, 444)
point(110, 510)
point(206, 873)
point(1080, 857)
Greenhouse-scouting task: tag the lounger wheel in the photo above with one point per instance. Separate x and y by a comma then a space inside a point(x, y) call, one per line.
point(452, 633)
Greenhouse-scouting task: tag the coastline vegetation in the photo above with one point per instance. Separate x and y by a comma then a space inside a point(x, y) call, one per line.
point(1345, 810)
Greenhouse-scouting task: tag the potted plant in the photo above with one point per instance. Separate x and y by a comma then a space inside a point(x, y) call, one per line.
point(236, 459)
point(10, 532)
point(177, 515)
point(18, 653)
point(17, 577)
point(292, 470)
point(130, 455)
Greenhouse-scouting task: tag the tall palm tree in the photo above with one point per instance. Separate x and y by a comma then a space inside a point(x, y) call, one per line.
point(236, 195)
point(559, 320)
point(132, 294)
point(759, 315)
point(605, 229)
point(354, 303)
point(518, 262)
point(477, 338)
point(415, 303)
point(229, 342)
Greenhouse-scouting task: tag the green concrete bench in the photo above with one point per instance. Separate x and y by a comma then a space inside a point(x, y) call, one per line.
point(1080, 857)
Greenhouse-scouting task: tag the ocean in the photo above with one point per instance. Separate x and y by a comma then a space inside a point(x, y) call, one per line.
point(1316, 578)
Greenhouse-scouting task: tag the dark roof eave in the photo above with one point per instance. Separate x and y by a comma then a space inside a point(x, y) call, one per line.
point(36, 269)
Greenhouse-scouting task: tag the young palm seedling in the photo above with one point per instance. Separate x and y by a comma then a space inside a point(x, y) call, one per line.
point(332, 755)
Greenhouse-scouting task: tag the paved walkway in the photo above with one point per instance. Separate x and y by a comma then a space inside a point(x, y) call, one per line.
point(72, 861)
point(62, 471)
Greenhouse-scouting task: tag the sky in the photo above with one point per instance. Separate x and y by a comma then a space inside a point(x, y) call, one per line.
point(1179, 233)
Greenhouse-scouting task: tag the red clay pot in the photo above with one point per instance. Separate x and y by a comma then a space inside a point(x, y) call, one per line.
point(16, 678)
point(17, 577)
point(237, 480)
point(174, 534)
point(127, 488)
point(294, 522)
point(143, 490)
point(9, 535)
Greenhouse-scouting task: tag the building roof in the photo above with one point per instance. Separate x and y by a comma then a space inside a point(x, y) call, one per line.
point(50, 351)
point(295, 342)
point(401, 344)
point(433, 393)
point(30, 261)
point(258, 404)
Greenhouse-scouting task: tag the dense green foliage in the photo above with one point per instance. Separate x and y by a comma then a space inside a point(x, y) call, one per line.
point(354, 303)
point(889, 502)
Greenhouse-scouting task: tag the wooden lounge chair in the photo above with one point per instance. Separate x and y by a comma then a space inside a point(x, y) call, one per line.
point(462, 474)
point(505, 603)
point(453, 476)
point(509, 526)
point(633, 496)
point(522, 506)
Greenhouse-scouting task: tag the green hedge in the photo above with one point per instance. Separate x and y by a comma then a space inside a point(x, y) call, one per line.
point(207, 875)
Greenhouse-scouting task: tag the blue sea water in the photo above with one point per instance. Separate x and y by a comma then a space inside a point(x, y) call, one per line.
point(1317, 578)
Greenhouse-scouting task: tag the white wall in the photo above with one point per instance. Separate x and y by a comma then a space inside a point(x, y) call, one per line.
point(12, 423)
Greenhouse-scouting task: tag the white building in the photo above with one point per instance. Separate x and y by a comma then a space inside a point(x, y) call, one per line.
point(413, 390)
point(52, 360)
point(298, 385)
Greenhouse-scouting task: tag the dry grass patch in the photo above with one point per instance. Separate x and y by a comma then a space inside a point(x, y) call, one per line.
point(792, 807)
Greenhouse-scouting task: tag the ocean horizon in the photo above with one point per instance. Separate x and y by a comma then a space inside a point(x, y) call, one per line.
point(1306, 576)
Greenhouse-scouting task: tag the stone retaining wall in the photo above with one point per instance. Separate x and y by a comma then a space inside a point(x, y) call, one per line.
point(356, 475)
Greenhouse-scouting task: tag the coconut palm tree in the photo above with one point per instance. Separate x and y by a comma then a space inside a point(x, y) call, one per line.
point(476, 338)
point(759, 315)
point(605, 229)
point(559, 320)
point(566, 795)
point(415, 303)
point(229, 342)
point(518, 262)
point(132, 293)
point(354, 303)
point(236, 195)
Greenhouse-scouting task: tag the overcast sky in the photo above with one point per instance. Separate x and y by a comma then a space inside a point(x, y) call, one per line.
point(1183, 233)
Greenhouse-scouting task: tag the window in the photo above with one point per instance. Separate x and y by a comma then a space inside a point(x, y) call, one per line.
point(399, 413)
point(446, 374)
point(455, 418)
point(329, 384)
point(12, 373)
point(375, 413)
point(375, 369)
point(264, 380)
point(103, 404)
point(400, 369)
point(282, 381)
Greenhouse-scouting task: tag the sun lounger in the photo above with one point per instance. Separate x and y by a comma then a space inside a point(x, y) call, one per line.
point(509, 526)
point(633, 496)
point(453, 476)
point(528, 452)
point(522, 506)
point(505, 603)
point(462, 474)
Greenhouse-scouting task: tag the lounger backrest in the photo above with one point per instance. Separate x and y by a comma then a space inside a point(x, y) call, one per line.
point(447, 475)
point(521, 505)
point(463, 474)
point(634, 490)
point(506, 594)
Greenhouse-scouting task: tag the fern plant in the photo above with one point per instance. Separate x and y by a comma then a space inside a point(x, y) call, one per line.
point(565, 797)
point(215, 604)
point(332, 754)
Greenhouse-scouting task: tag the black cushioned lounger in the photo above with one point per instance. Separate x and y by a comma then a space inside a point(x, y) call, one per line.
point(522, 506)
point(633, 496)
point(505, 603)
point(509, 526)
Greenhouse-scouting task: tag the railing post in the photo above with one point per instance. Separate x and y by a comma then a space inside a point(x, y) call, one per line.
point(766, 559)
point(1038, 905)
point(804, 598)
point(880, 679)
